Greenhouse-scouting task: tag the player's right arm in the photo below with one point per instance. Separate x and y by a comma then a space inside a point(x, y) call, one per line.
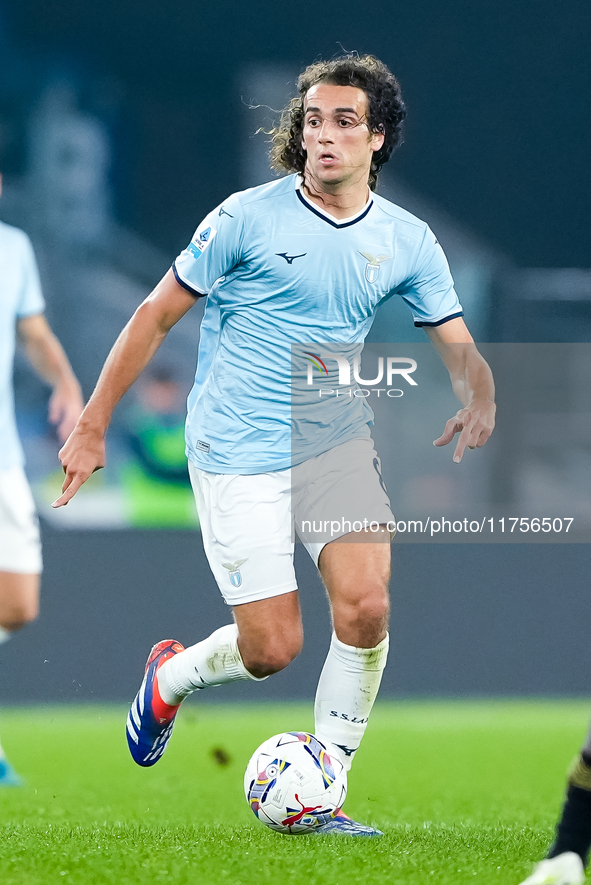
point(84, 450)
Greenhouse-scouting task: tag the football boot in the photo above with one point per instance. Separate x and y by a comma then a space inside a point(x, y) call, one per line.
point(342, 825)
point(564, 869)
point(150, 720)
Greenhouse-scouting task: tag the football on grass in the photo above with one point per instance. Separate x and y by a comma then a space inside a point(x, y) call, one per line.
point(294, 784)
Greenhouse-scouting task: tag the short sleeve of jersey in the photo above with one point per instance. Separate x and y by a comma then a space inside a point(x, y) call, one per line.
point(30, 297)
point(215, 249)
point(429, 291)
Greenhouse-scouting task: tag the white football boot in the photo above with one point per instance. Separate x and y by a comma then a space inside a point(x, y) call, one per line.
point(564, 869)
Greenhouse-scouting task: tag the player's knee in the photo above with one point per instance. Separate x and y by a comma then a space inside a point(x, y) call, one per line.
point(19, 615)
point(366, 616)
point(273, 657)
point(375, 607)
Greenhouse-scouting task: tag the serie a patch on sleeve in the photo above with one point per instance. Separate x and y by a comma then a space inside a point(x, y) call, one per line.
point(201, 240)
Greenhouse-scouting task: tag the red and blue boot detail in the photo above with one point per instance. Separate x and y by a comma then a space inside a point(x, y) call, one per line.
point(342, 825)
point(150, 720)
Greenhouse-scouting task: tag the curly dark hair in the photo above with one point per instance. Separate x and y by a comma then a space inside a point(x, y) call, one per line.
point(386, 110)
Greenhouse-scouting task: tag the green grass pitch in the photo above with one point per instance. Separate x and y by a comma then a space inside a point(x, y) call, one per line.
point(465, 791)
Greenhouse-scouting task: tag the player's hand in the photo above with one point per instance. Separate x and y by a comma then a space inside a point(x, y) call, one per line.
point(474, 423)
point(65, 407)
point(82, 454)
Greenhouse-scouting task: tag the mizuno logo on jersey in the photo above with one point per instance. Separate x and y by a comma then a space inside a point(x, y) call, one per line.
point(290, 258)
point(372, 268)
point(223, 212)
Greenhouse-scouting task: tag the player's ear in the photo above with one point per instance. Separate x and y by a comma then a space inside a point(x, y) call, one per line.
point(377, 138)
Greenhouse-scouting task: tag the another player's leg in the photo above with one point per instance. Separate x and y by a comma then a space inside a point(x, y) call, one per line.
point(564, 869)
point(569, 854)
point(19, 605)
point(8, 776)
point(356, 573)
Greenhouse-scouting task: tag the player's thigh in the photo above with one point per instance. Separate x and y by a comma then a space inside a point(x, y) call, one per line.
point(341, 493)
point(19, 599)
point(270, 633)
point(355, 569)
point(247, 535)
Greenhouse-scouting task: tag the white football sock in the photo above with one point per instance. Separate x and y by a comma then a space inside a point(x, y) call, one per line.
point(346, 692)
point(214, 661)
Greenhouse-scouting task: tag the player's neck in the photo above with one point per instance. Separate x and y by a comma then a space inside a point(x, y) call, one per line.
point(339, 200)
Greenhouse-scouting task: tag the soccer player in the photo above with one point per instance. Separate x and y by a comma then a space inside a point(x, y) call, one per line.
point(569, 854)
point(21, 313)
point(303, 259)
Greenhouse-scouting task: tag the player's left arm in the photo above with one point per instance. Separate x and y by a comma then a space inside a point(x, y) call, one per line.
point(49, 360)
point(472, 382)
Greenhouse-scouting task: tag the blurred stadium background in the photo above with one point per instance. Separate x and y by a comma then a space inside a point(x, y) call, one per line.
point(121, 125)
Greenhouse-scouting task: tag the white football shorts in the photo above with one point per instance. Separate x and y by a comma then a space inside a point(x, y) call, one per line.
point(249, 522)
point(20, 541)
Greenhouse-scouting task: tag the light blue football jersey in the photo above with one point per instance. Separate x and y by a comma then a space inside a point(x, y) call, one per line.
point(279, 272)
point(20, 296)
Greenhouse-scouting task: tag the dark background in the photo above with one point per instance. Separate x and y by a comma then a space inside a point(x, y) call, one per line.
point(468, 620)
point(499, 130)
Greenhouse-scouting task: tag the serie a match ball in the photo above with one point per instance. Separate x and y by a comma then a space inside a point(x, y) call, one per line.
point(294, 784)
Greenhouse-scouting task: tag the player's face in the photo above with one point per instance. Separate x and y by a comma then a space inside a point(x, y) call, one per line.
point(336, 136)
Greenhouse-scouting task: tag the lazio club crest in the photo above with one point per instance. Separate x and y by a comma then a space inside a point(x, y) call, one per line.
point(372, 268)
point(234, 570)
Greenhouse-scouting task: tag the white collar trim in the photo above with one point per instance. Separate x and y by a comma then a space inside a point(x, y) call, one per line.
point(333, 218)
